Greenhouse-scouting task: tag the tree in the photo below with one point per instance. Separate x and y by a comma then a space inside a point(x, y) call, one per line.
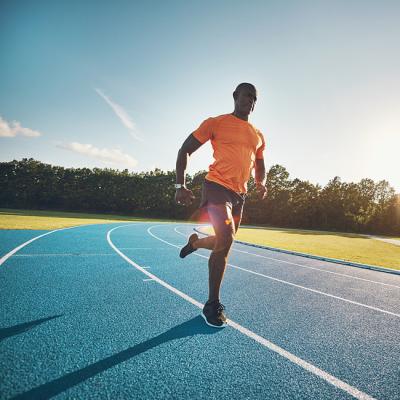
point(355, 207)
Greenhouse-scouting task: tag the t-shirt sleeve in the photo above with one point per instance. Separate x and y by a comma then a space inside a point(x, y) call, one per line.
point(204, 131)
point(260, 150)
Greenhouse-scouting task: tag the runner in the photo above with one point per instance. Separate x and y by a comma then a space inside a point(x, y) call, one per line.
point(238, 148)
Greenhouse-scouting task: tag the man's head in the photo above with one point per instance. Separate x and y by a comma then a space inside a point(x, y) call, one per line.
point(245, 97)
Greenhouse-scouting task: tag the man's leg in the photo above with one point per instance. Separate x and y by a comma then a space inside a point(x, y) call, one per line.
point(223, 224)
point(237, 212)
point(204, 243)
point(209, 241)
point(221, 218)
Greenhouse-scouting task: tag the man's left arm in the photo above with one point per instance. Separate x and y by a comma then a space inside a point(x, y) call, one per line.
point(260, 178)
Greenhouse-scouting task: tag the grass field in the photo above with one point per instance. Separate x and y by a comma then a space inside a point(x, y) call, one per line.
point(343, 246)
point(349, 247)
point(49, 220)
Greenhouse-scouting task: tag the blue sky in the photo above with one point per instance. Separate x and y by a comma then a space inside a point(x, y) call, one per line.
point(121, 84)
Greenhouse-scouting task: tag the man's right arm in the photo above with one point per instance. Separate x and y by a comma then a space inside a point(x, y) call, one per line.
point(190, 145)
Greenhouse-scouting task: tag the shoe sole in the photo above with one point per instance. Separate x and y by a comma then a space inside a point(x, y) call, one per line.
point(214, 326)
point(183, 256)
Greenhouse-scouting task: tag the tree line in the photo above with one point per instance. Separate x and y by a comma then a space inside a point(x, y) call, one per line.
point(363, 207)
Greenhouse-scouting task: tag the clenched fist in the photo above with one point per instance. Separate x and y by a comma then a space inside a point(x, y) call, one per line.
point(184, 196)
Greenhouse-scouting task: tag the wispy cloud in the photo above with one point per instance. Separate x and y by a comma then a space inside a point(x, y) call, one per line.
point(112, 156)
point(124, 117)
point(14, 128)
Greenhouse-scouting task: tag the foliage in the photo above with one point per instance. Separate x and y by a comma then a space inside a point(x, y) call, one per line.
point(351, 207)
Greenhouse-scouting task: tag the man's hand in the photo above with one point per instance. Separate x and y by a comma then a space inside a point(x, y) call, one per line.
point(261, 190)
point(184, 196)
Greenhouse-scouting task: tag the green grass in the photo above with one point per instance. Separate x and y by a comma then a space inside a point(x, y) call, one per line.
point(49, 220)
point(343, 246)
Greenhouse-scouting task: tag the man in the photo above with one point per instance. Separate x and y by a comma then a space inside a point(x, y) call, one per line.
point(238, 148)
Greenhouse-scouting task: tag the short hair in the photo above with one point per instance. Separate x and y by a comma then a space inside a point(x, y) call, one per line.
point(242, 86)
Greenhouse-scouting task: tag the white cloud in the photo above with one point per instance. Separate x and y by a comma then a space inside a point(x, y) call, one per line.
point(124, 117)
point(112, 156)
point(14, 128)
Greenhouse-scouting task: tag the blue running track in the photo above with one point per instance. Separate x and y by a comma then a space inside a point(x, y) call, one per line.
point(111, 311)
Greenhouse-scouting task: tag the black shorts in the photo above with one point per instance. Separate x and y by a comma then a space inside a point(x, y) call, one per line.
point(213, 193)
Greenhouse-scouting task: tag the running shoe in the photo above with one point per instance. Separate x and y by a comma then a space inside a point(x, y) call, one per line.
point(188, 248)
point(213, 314)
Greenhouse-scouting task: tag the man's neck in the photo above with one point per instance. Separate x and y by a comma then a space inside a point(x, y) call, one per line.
point(244, 117)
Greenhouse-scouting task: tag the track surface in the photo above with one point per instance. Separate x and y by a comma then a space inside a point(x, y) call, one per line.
point(111, 311)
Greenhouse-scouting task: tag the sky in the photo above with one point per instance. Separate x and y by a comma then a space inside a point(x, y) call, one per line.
point(121, 84)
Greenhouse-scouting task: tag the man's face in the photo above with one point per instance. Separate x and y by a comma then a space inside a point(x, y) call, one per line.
point(245, 100)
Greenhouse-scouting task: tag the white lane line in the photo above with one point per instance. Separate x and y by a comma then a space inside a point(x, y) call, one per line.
point(283, 281)
point(358, 394)
point(149, 274)
point(147, 280)
point(319, 269)
point(306, 266)
point(180, 233)
point(12, 252)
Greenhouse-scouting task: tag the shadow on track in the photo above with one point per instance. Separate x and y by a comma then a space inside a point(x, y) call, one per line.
point(26, 326)
point(194, 326)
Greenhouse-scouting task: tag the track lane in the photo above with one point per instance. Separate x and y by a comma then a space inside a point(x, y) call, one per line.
point(316, 328)
point(337, 383)
point(106, 304)
point(291, 263)
point(295, 260)
point(251, 270)
point(85, 327)
point(383, 296)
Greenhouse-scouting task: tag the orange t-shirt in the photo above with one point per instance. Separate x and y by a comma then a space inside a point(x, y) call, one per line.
point(236, 144)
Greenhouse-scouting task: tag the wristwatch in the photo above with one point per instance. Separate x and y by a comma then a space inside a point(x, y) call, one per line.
point(179, 185)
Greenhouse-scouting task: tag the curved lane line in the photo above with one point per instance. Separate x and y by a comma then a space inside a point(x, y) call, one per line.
point(358, 394)
point(149, 274)
point(12, 252)
point(305, 266)
point(282, 281)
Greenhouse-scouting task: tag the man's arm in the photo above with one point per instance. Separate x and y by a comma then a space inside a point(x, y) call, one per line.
point(260, 177)
point(190, 145)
